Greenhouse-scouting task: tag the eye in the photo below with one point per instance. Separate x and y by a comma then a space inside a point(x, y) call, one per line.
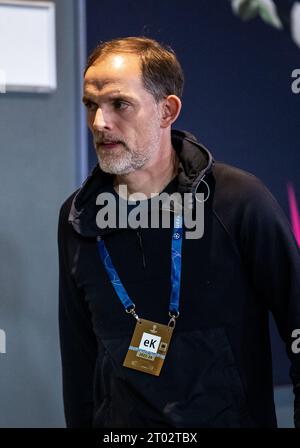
point(90, 105)
point(119, 104)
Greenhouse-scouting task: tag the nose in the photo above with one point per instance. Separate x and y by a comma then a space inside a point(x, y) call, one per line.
point(100, 122)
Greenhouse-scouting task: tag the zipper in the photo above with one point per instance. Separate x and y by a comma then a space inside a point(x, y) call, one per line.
point(141, 247)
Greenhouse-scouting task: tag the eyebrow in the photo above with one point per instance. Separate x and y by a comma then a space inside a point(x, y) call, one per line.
point(114, 93)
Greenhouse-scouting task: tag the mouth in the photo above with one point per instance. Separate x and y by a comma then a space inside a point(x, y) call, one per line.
point(109, 145)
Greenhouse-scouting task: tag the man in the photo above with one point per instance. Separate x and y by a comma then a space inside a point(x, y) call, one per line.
point(213, 369)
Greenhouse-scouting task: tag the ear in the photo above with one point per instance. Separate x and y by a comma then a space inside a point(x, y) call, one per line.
point(170, 109)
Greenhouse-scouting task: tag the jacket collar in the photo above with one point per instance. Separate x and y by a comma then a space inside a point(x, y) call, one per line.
point(195, 162)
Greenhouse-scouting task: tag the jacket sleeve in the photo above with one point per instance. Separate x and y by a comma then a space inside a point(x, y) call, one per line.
point(77, 340)
point(273, 260)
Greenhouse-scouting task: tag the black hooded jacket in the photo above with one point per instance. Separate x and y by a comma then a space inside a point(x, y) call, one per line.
point(218, 370)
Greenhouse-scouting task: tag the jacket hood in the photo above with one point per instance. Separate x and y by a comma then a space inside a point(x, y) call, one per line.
point(195, 162)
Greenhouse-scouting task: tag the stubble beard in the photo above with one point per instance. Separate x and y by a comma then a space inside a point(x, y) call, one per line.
point(125, 159)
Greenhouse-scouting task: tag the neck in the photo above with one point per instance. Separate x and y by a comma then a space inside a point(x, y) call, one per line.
point(153, 178)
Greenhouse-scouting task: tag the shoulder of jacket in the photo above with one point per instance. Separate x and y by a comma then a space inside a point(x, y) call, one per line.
point(241, 198)
point(66, 207)
point(238, 186)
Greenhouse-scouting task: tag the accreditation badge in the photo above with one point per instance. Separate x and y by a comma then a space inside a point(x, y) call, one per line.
point(148, 347)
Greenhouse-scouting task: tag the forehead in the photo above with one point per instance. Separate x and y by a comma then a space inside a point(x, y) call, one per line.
point(122, 71)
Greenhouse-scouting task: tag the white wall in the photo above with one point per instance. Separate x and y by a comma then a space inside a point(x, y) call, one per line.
point(39, 147)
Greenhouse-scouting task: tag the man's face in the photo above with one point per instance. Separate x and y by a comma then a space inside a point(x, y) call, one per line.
point(123, 117)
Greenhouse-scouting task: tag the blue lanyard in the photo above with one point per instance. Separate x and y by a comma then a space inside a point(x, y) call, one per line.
point(175, 272)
